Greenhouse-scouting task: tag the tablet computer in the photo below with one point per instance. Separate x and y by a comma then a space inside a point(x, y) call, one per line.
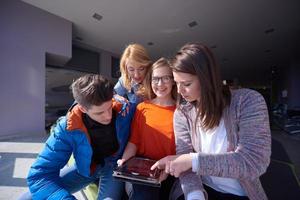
point(137, 170)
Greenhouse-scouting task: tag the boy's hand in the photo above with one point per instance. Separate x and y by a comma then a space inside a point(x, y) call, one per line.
point(123, 102)
point(125, 109)
point(120, 99)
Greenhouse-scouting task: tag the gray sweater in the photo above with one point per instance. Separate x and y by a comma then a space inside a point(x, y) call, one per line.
point(249, 144)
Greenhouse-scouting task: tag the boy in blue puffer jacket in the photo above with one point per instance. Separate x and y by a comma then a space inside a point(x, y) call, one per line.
point(95, 132)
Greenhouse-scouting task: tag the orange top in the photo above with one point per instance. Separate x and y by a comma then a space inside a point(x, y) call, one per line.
point(152, 130)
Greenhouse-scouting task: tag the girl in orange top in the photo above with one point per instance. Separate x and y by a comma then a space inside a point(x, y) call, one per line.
point(152, 134)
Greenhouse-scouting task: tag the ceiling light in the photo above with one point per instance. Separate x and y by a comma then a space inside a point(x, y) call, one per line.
point(97, 16)
point(192, 24)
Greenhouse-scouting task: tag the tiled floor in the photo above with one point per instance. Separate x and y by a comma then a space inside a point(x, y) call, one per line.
point(16, 156)
point(291, 144)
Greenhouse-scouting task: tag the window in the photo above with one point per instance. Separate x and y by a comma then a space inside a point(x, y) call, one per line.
point(115, 67)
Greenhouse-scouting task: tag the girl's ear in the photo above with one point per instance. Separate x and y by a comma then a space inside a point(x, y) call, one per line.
point(82, 109)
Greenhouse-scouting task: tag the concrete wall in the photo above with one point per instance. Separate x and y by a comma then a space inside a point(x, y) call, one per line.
point(27, 33)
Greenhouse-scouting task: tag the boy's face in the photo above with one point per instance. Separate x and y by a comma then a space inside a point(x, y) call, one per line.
point(101, 114)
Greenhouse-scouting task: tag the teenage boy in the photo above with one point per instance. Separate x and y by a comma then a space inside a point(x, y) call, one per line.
point(95, 132)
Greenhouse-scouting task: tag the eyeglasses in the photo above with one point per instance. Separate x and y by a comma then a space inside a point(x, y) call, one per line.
point(164, 79)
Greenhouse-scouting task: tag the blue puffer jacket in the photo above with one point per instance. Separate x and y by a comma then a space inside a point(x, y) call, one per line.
point(70, 136)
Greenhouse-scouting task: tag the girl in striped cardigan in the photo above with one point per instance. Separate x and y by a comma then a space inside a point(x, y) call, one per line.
point(223, 141)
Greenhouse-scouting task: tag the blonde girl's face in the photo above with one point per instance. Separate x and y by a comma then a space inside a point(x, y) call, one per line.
point(188, 86)
point(162, 81)
point(136, 71)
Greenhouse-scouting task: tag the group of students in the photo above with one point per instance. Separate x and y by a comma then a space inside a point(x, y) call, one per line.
point(210, 141)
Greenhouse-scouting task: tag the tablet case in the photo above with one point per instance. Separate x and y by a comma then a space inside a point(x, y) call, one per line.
point(137, 170)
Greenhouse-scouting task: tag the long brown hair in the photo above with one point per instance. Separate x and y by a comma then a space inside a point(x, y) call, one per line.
point(197, 59)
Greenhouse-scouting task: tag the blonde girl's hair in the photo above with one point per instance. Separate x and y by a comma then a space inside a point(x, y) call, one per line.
point(137, 53)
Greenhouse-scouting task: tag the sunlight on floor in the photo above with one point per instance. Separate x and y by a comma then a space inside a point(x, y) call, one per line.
point(15, 161)
point(20, 147)
point(22, 166)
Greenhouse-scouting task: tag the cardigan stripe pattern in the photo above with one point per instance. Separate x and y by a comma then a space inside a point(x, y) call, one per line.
point(249, 144)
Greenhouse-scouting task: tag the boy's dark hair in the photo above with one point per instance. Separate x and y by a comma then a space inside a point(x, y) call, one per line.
point(92, 89)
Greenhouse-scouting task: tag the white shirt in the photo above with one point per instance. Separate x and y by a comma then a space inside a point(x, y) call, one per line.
point(214, 141)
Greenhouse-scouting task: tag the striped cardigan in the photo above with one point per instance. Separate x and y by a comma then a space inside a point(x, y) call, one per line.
point(249, 144)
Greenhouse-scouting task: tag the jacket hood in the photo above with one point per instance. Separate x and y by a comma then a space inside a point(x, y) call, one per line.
point(74, 120)
point(74, 116)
